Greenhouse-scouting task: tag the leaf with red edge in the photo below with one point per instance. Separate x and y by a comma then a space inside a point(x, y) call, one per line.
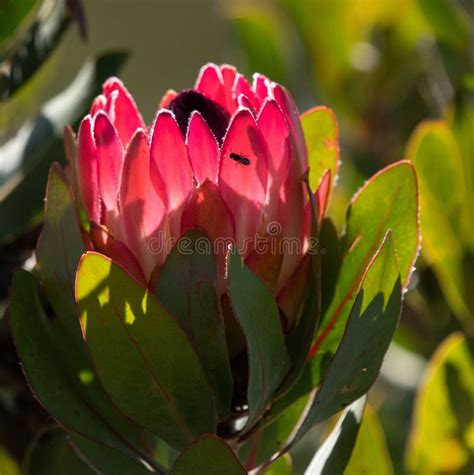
point(61, 376)
point(372, 322)
point(394, 190)
point(59, 250)
point(321, 132)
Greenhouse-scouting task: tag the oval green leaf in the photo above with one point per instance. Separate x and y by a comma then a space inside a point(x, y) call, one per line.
point(194, 274)
point(62, 381)
point(142, 356)
point(441, 437)
point(208, 455)
point(257, 312)
point(370, 328)
point(389, 200)
point(59, 250)
point(443, 201)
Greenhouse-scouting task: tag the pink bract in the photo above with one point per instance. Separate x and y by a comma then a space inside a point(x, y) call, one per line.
point(227, 157)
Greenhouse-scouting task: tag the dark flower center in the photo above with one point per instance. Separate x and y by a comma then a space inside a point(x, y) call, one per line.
point(188, 101)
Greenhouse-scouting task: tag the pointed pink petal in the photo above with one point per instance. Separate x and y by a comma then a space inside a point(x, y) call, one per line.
point(285, 101)
point(242, 86)
point(290, 216)
point(244, 187)
point(275, 129)
point(266, 261)
point(229, 76)
point(260, 87)
point(122, 110)
point(98, 104)
point(142, 210)
point(202, 149)
point(112, 84)
point(169, 157)
point(207, 211)
point(104, 243)
point(86, 170)
point(210, 83)
point(170, 94)
point(125, 115)
point(244, 103)
point(321, 196)
point(109, 160)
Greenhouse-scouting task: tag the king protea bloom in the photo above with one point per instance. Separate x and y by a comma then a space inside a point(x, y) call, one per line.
point(227, 157)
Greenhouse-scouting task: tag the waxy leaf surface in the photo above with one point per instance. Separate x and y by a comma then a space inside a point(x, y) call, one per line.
point(257, 312)
point(372, 322)
point(187, 287)
point(209, 455)
point(141, 354)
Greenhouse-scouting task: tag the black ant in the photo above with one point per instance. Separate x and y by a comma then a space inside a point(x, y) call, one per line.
point(240, 159)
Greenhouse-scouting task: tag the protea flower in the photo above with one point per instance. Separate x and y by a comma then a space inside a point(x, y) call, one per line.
point(226, 157)
point(209, 351)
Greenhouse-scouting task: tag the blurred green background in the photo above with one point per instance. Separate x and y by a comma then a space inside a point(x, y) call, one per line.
point(399, 76)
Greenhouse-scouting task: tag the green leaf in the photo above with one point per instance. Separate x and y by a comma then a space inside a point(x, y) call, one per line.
point(394, 191)
point(31, 49)
point(257, 312)
point(62, 381)
point(321, 133)
point(59, 250)
point(105, 460)
point(333, 456)
point(369, 330)
point(142, 356)
point(51, 453)
point(53, 450)
point(311, 377)
point(370, 454)
point(441, 437)
point(281, 466)
point(448, 20)
point(38, 143)
point(187, 287)
point(8, 466)
point(330, 262)
point(443, 199)
point(462, 126)
point(208, 455)
point(271, 437)
point(13, 16)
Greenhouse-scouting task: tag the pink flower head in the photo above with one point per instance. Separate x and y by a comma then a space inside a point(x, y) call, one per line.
point(227, 157)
